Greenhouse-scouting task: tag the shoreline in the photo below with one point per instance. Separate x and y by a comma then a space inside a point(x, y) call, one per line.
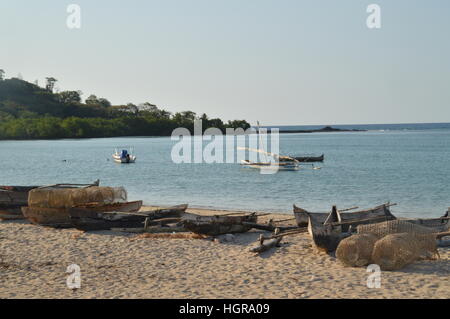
point(34, 261)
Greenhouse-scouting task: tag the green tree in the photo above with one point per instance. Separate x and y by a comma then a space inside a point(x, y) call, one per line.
point(92, 100)
point(50, 85)
point(70, 97)
point(104, 102)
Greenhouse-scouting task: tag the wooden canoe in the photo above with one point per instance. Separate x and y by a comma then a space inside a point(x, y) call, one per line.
point(375, 215)
point(310, 159)
point(60, 217)
point(302, 217)
point(441, 224)
point(50, 217)
point(89, 219)
point(325, 237)
point(12, 199)
point(348, 218)
point(218, 225)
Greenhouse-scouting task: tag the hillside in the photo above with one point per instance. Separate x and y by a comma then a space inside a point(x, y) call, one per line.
point(28, 111)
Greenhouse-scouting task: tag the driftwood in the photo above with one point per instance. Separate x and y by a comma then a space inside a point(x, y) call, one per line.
point(268, 227)
point(265, 244)
point(169, 236)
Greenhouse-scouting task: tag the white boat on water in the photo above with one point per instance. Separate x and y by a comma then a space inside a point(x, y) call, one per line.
point(123, 157)
point(277, 166)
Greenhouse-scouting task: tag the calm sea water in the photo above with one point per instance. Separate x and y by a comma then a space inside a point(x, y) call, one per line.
point(408, 167)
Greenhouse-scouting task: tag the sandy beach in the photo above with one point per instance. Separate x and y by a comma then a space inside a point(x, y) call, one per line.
point(33, 263)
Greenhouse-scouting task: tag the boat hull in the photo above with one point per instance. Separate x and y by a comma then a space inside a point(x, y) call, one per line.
point(302, 217)
point(122, 160)
point(348, 219)
point(218, 225)
point(89, 220)
point(60, 217)
point(326, 238)
point(12, 199)
point(271, 166)
point(310, 159)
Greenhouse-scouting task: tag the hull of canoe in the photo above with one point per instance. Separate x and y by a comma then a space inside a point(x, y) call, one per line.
point(371, 216)
point(12, 198)
point(302, 217)
point(116, 207)
point(60, 217)
point(349, 219)
point(326, 237)
point(11, 212)
point(440, 225)
point(90, 220)
point(217, 225)
point(50, 217)
point(311, 159)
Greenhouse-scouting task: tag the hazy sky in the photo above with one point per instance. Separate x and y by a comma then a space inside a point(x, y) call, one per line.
point(282, 62)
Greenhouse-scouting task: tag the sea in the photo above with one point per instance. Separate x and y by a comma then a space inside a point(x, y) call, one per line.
point(406, 164)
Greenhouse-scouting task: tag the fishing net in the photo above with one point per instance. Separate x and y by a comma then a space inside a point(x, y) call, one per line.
point(70, 197)
point(394, 227)
point(356, 250)
point(400, 243)
point(396, 251)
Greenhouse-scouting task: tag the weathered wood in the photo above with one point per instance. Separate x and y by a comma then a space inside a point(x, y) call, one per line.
point(284, 220)
point(152, 230)
point(353, 219)
point(348, 209)
point(68, 185)
point(325, 237)
point(442, 235)
point(288, 233)
point(268, 227)
point(90, 220)
point(169, 236)
point(217, 225)
point(266, 244)
point(80, 215)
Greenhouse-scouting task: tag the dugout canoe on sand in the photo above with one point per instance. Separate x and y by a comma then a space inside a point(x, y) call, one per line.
point(89, 220)
point(60, 217)
point(218, 224)
point(326, 236)
point(12, 198)
point(351, 218)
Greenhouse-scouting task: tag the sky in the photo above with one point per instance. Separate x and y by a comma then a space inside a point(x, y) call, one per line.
point(285, 62)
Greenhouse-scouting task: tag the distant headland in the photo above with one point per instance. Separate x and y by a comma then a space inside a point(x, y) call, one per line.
point(326, 129)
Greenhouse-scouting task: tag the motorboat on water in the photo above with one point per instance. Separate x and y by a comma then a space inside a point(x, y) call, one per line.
point(123, 157)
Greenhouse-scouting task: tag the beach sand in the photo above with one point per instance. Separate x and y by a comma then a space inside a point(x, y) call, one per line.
point(33, 263)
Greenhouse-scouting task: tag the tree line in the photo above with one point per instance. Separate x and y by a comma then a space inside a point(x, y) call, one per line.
point(28, 111)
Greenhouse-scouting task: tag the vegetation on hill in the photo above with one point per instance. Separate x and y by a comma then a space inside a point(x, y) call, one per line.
point(28, 111)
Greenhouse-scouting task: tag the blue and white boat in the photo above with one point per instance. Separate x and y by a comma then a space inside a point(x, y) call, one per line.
point(124, 157)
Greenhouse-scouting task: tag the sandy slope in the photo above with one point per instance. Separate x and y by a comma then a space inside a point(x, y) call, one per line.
point(33, 262)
